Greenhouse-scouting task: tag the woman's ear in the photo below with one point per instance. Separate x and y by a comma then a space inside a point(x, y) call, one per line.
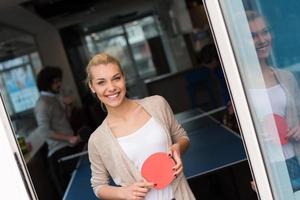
point(91, 88)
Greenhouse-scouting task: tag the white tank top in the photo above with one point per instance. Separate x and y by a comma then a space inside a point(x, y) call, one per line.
point(139, 145)
point(277, 99)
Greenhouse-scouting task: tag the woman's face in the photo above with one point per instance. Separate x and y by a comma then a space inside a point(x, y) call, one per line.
point(108, 82)
point(262, 37)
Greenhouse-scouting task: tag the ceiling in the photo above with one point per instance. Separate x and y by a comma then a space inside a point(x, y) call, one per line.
point(64, 13)
point(14, 43)
point(49, 9)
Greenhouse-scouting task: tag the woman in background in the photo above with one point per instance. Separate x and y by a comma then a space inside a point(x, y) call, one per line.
point(132, 131)
point(283, 92)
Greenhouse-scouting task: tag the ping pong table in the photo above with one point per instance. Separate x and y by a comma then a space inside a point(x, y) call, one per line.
point(213, 146)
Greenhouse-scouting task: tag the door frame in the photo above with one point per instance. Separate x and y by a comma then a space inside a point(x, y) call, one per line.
point(237, 92)
point(15, 179)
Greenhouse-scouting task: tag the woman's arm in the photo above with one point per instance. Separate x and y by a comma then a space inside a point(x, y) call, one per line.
point(176, 150)
point(178, 135)
point(180, 146)
point(72, 139)
point(294, 132)
point(175, 129)
point(100, 178)
point(137, 191)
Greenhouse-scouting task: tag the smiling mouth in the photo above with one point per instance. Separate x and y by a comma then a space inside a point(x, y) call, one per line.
point(263, 47)
point(113, 96)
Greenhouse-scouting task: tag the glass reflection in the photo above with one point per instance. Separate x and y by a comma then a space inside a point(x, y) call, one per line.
point(281, 91)
point(266, 49)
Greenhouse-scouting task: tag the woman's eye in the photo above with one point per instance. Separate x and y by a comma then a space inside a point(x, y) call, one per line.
point(117, 78)
point(266, 32)
point(100, 83)
point(254, 35)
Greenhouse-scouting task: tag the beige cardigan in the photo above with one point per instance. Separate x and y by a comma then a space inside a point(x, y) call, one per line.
point(292, 92)
point(108, 158)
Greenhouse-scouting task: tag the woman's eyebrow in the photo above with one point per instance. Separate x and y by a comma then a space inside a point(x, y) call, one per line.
point(100, 79)
point(116, 75)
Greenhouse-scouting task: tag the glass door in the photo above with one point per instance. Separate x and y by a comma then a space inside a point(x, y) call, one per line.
point(258, 42)
point(15, 180)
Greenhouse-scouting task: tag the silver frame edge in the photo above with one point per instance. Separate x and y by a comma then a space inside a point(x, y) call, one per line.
point(241, 107)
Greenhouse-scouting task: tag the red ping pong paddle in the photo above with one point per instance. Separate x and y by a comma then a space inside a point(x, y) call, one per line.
point(281, 126)
point(157, 169)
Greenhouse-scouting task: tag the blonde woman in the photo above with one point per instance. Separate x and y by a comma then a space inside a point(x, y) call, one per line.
point(283, 92)
point(132, 131)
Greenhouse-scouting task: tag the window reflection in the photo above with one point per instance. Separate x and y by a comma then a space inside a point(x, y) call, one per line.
point(280, 129)
point(260, 44)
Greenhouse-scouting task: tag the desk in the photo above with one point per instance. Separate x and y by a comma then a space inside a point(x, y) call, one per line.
point(213, 147)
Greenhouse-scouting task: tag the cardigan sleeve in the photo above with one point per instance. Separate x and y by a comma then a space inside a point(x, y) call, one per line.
point(296, 93)
point(175, 128)
point(100, 175)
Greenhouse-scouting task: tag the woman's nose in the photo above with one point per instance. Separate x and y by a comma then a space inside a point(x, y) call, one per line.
point(110, 86)
point(261, 38)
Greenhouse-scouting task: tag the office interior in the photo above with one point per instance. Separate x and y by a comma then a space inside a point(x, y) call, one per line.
point(157, 44)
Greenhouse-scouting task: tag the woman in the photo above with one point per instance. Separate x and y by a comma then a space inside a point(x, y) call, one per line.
point(283, 92)
point(132, 130)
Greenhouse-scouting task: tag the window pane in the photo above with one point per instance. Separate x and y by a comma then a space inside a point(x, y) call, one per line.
point(113, 40)
point(117, 47)
point(147, 25)
point(137, 37)
point(15, 62)
point(36, 62)
point(266, 46)
point(108, 33)
point(21, 88)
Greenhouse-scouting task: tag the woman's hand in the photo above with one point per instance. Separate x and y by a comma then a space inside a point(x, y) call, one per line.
point(136, 191)
point(294, 133)
point(253, 186)
point(174, 151)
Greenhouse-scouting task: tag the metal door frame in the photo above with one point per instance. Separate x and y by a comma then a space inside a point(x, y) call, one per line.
point(233, 78)
point(15, 179)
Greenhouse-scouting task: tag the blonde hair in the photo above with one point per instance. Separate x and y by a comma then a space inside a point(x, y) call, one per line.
point(253, 15)
point(100, 59)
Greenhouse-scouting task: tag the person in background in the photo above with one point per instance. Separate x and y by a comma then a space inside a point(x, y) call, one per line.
point(208, 57)
point(283, 94)
point(132, 131)
point(52, 114)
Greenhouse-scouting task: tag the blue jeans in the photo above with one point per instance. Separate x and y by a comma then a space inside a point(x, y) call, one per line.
point(294, 172)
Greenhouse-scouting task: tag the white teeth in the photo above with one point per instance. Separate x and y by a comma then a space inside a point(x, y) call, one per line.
point(262, 48)
point(113, 96)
